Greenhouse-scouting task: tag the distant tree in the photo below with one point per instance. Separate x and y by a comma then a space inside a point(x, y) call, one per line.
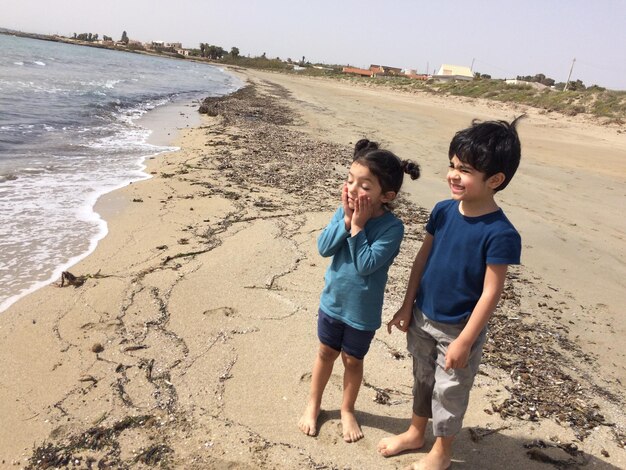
point(202, 49)
point(74, 36)
point(124, 38)
point(106, 38)
point(596, 88)
point(263, 56)
point(578, 85)
point(234, 52)
point(538, 78)
point(214, 52)
point(303, 61)
point(95, 37)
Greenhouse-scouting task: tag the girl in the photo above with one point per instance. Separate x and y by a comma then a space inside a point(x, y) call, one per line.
point(363, 238)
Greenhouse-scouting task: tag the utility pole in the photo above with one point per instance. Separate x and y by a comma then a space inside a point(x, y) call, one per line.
point(570, 74)
point(427, 67)
point(472, 66)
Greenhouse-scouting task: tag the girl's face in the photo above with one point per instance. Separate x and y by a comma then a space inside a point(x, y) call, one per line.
point(361, 182)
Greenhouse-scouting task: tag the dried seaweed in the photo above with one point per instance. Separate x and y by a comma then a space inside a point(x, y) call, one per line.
point(533, 354)
point(77, 449)
point(576, 459)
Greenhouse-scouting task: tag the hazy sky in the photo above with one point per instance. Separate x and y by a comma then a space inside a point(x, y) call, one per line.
point(502, 38)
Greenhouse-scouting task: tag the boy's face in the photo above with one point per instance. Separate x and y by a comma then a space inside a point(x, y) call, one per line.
point(470, 185)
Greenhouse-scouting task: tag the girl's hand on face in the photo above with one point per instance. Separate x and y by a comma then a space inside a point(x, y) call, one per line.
point(362, 211)
point(346, 207)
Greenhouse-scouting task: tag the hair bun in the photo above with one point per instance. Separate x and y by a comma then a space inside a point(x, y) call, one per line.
point(411, 168)
point(363, 145)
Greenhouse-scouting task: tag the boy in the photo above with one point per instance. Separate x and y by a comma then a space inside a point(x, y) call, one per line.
point(455, 284)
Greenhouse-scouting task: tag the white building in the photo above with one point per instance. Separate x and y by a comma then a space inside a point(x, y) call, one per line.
point(451, 73)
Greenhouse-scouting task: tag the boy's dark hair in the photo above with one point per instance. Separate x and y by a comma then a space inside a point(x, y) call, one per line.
point(490, 147)
point(385, 165)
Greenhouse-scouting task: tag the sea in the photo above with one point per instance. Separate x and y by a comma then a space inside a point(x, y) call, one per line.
point(70, 131)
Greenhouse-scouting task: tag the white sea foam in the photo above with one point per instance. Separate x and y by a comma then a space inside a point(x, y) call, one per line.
point(67, 150)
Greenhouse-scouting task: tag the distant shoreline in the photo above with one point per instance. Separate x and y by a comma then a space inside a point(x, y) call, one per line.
point(114, 47)
point(604, 106)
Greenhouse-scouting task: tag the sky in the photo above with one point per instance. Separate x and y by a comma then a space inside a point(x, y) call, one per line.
point(500, 38)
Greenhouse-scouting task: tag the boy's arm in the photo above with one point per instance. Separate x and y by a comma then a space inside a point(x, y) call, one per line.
point(459, 349)
point(402, 318)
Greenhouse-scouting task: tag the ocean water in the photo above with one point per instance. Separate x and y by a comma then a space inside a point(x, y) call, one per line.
point(69, 134)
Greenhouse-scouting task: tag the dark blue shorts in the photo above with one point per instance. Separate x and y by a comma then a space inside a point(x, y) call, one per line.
point(342, 337)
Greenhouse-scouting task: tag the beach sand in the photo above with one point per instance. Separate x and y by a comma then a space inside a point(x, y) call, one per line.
point(190, 342)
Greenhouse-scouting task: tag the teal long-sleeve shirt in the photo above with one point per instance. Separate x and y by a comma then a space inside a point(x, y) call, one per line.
point(356, 278)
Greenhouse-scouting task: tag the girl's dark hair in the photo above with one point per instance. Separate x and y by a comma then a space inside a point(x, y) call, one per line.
point(490, 147)
point(385, 165)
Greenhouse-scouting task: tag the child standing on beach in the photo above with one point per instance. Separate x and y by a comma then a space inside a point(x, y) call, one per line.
point(363, 238)
point(455, 284)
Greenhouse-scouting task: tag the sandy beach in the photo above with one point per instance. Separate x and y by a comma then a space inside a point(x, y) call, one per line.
point(190, 339)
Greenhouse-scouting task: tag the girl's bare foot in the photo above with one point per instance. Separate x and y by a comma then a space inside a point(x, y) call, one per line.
point(308, 421)
point(351, 429)
point(408, 440)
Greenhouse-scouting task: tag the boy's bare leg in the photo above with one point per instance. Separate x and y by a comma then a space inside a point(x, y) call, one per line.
point(439, 457)
point(352, 378)
point(411, 439)
point(322, 368)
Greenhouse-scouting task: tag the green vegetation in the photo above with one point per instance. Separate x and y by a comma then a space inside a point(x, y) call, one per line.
point(596, 101)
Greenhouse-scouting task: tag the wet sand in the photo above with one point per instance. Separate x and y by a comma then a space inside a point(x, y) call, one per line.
point(191, 340)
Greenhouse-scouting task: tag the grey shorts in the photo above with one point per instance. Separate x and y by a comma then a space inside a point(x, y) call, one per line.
point(439, 394)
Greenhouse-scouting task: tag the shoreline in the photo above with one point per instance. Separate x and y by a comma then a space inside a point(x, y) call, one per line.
point(164, 122)
point(213, 279)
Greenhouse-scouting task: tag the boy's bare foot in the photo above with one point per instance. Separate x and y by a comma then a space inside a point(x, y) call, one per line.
point(308, 421)
point(351, 429)
point(408, 440)
point(433, 461)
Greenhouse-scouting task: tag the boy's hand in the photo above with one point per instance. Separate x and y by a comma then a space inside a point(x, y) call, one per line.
point(401, 319)
point(347, 218)
point(362, 211)
point(457, 354)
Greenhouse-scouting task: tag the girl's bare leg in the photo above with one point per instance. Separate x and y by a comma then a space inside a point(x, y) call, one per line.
point(322, 368)
point(352, 378)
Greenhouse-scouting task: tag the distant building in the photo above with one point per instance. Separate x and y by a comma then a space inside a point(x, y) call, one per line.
point(412, 73)
point(184, 52)
point(384, 70)
point(450, 73)
point(536, 85)
point(358, 71)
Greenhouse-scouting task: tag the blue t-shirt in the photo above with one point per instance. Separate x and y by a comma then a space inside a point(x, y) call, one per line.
point(452, 281)
point(356, 278)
